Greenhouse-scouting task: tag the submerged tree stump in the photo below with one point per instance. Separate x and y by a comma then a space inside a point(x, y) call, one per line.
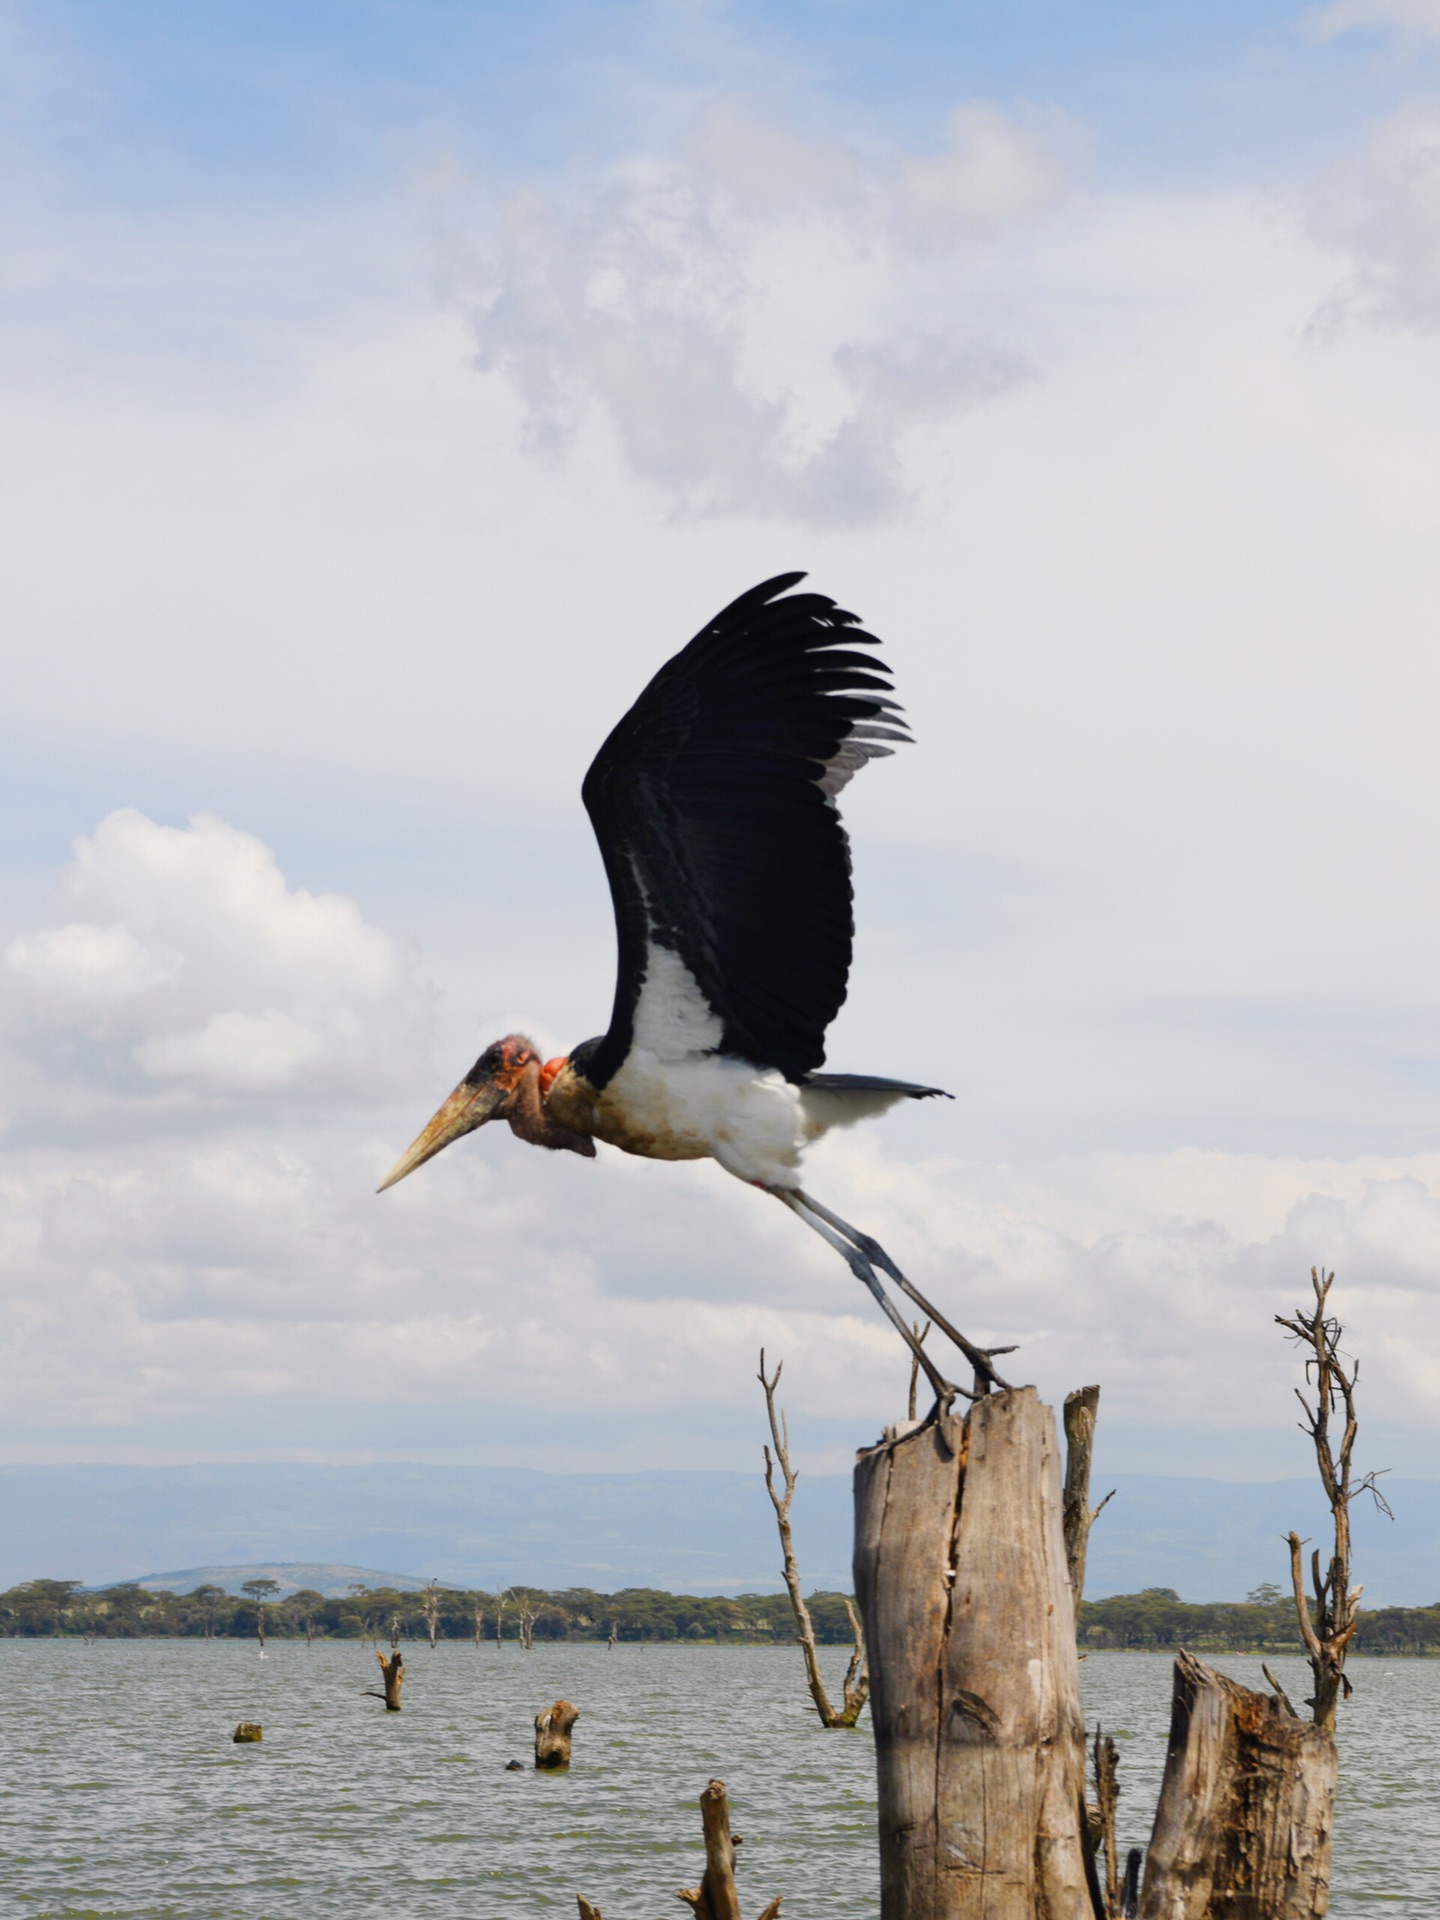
point(960, 1568)
point(552, 1735)
point(393, 1671)
point(1243, 1828)
point(716, 1897)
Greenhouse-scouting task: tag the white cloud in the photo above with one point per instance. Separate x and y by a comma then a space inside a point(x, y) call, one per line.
point(236, 1052)
point(252, 1290)
point(764, 318)
point(1418, 17)
point(1381, 206)
point(194, 966)
point(89, 964)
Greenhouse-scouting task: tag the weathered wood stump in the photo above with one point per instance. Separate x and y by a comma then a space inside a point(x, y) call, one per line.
point(393, 1671)
point(248, 1730)
point(960, 1569)
point(1243, 1828)
point(552, 1735)
point(716, 1897)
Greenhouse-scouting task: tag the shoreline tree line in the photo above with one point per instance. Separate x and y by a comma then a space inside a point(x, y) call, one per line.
point(1155, 1619)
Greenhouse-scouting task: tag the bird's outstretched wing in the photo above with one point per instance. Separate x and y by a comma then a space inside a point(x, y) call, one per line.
point(714, 804)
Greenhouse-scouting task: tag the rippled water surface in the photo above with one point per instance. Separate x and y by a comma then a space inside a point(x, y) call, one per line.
point(121, 1792)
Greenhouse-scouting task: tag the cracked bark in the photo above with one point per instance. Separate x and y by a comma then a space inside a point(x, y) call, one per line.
point(964, 1588)
point(1243, 1828)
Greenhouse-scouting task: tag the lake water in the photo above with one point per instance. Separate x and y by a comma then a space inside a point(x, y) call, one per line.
point(121, 1793)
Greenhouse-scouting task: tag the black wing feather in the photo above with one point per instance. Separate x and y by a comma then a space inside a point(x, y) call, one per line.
point(712, 801)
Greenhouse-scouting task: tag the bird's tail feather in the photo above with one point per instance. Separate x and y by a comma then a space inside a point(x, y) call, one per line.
point(871, 1083)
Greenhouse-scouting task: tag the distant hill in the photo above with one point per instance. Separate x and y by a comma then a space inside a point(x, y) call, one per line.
point(291, 1576)
point(685, 1532)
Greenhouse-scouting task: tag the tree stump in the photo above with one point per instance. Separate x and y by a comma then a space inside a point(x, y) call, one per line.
point(716, 1898)
point(552, 1735)
point(393, 1670)
point(960, 1569)
point(246, 1731)
point(1243, 1828)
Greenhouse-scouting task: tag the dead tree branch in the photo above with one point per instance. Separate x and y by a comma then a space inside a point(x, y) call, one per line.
point(1081, 1412)
point(1279, 1691)
point(1328, 1623)
point(1105, 1761)
point(857, 1679)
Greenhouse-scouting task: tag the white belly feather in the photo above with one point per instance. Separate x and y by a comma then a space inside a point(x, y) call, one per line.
point(675, 1099)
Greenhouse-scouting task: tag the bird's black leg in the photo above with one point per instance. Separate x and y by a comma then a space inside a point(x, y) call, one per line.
point(979, 1357)
point(858, 1262)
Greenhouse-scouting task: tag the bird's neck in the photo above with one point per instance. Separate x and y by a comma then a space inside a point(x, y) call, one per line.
point(530, 1119)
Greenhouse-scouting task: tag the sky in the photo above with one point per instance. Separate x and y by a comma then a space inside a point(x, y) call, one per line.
point(389, 390)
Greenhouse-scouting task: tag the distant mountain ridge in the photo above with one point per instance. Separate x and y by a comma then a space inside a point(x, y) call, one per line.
point(290, 1576)
point(683, 1532)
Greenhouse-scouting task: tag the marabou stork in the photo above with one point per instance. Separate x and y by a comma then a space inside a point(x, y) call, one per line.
point(714, 802)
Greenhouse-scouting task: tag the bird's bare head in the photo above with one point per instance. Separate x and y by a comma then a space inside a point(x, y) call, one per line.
point(488, 1092)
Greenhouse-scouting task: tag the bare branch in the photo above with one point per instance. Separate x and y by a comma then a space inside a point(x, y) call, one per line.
point(1368, 1485)
point(1280, 1693)
point(1302, 1605)
point(857, 1684)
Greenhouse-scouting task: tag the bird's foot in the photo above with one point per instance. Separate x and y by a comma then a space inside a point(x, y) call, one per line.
point(986, 1377)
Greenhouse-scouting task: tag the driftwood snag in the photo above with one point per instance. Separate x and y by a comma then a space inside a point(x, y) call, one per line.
point(552, 1735)
point(964, 1590)
point(716, 1897)
point(1242, 1831)
point(248, 1730)
point(393, 1671)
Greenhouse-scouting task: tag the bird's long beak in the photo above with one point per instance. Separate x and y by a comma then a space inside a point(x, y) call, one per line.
point(467, 1108)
